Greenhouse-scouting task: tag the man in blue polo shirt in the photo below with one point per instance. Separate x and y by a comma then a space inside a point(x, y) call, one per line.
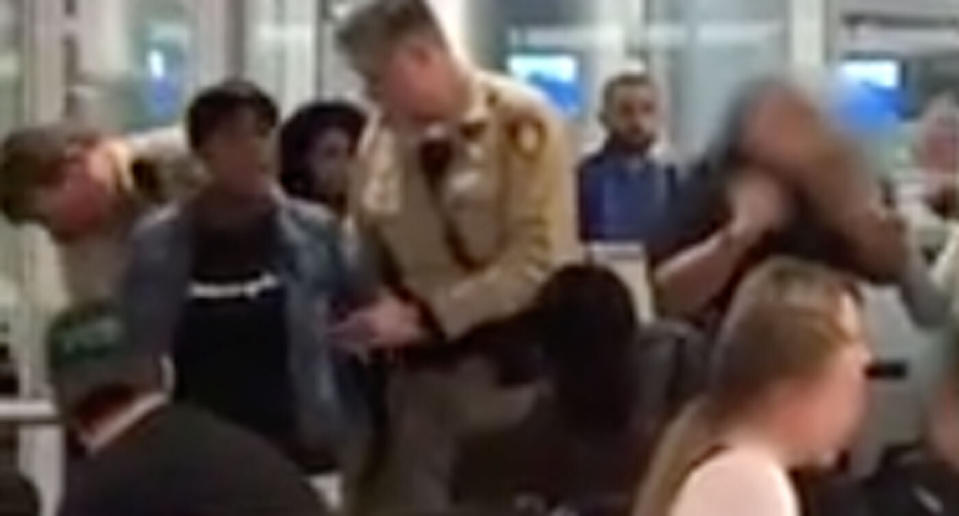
point(624, 192)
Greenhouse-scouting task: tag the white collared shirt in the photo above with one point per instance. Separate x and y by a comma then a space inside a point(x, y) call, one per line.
point(118, 424)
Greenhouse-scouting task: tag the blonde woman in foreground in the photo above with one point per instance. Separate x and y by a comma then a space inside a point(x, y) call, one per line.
point(788, 389)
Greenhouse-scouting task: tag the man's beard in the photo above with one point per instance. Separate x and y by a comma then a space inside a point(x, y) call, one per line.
point(631, 144)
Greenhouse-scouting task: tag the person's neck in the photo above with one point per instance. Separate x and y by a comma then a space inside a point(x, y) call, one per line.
point(107, 429)
point(767, 436)
point(620, 147)
point(223, 207)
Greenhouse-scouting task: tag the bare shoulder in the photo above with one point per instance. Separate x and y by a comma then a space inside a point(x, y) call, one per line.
point(739, 481)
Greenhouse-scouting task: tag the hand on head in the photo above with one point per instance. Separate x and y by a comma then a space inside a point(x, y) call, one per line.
point(759, 205)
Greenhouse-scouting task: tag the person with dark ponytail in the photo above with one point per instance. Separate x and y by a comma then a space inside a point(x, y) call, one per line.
point(786, 390)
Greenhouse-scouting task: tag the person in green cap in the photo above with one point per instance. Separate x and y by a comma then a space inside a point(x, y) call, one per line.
point(146, 455)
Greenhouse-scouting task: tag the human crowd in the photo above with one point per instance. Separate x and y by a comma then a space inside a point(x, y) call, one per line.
point(410, 301)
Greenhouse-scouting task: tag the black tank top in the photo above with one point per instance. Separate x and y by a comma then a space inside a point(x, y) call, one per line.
point(231, 351)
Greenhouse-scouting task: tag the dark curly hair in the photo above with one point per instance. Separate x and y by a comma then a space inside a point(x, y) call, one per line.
point(302, 129)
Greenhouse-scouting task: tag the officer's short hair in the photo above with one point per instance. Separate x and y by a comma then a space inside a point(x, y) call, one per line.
point(31, 158)
point(217, 105)
point(371, 31)
point(639, 79)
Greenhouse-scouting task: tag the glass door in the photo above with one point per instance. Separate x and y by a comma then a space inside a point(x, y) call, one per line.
point(280, 48)
point(132, 65)
point(11, 114)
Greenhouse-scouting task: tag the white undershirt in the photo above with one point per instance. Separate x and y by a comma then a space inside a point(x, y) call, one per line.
point(741, 481)
point(110, 430)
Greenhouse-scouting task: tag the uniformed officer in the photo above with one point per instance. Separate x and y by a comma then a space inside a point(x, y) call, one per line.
point(88, 189)
point(466, 184)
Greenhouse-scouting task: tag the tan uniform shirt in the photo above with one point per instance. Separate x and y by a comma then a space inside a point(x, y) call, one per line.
point(92, 266)
point(507, 199)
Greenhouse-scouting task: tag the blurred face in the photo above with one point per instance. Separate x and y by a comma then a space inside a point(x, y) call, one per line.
point(80, 197)
point(825, 412)
point(239, 153)
point(416, 82)
point(785, 130)
point(331, 158)
point(632, 115)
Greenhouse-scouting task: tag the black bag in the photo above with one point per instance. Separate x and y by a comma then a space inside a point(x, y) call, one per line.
point(830, 493)
point(911, 483)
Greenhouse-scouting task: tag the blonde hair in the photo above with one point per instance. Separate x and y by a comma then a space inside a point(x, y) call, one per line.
point(782, 326)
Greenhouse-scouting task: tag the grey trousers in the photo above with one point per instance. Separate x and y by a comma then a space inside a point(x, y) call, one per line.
point(430, 412)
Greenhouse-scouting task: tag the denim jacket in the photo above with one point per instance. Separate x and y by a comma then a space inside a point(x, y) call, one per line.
point(323, 280)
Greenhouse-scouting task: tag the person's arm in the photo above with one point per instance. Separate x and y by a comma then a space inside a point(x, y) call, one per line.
point(686, 283)
point(693, 277)
point(945, 272)
point(540, 229)
point(850, 202)
point(846, 197)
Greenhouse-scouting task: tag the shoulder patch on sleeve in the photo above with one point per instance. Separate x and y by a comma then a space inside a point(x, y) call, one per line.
point(527, 135)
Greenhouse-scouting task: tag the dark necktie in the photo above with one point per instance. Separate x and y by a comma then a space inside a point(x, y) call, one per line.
point(436, 156)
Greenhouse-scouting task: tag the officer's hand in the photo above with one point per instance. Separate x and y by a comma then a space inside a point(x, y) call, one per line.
point(387, 324)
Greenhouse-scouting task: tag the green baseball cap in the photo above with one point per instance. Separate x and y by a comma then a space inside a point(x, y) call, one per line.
point(87, 349)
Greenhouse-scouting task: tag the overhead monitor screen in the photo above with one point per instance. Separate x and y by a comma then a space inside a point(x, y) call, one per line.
point(557, 75)
point(873, 91)
point(878, 73)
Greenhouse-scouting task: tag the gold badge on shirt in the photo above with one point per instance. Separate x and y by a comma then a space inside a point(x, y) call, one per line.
point(528, 136)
